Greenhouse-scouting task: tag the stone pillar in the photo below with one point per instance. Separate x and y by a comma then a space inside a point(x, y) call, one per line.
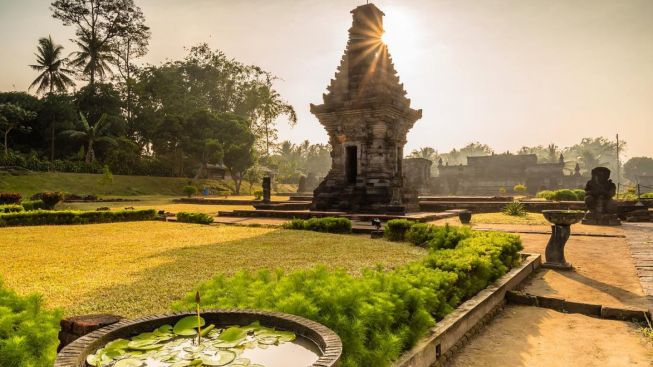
point(267, 189)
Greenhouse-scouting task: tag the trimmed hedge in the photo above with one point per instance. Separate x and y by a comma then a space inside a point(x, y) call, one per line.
point(11, 208)
point(381, 313)
point(562, 195)
point(327, 224)
point(28, 333)
point(199, 218)
point(10, 198)
point(33, 205)
point(45, 217)
point(395, 229)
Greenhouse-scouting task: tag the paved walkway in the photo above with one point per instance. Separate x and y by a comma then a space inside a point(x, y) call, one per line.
point(640, 240)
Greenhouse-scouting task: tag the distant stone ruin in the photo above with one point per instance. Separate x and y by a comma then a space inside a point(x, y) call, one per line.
point(367, 116)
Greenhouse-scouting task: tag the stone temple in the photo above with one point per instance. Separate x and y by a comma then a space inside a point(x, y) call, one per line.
point(367, 116)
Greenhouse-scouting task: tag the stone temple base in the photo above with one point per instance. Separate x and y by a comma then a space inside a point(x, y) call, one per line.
point(605, 219)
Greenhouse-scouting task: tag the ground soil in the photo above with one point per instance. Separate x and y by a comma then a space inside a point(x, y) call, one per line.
point(534, 337)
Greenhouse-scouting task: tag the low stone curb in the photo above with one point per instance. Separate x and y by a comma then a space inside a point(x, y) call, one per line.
point(455, 329)
point(588, 309)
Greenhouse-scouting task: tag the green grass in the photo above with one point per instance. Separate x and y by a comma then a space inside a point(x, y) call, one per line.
point(84, 183)
point(155, 202)
point(134, 269)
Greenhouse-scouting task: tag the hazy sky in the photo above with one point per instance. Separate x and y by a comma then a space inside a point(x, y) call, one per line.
point(504, 72)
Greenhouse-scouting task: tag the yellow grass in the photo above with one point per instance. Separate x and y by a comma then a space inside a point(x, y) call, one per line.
point(133, 269)
point(496, 218)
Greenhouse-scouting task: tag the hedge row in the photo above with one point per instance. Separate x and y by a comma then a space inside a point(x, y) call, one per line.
point(199, 218)
point(381, 313)
point(327, 224)
point(28, 333)
point(562, 195)
point(10, 198)
point(44, 217)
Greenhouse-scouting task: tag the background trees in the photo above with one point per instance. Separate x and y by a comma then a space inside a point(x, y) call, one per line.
point(13, 117)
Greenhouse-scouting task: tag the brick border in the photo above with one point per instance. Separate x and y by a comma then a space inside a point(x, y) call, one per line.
point(455, 329)
point(74, 355)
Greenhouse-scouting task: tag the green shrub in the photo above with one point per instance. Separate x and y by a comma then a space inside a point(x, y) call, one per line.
point(11, 208)
point(419, 234)
point(562, 195)
point(327, 224)
point(33, 205)
point(545, 194)
point(515, 209)
point(395, 229)
point(519, 188)
point(379, 314)
point(49, 199)
point(28, 333)
point(190, 190)
point(565, 195)
point(648, 195)
point(48, 217)
point(580, 194)
point(199, 218)
point(258, 195)
point(502, 190)
point(447, 237)
point(9, 198)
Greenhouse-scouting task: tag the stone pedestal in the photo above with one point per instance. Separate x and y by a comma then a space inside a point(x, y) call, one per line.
point(555, 249)
point(601, 219)
point(267, 189)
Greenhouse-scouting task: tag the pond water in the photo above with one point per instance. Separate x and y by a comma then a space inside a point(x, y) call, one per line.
point(181, 346)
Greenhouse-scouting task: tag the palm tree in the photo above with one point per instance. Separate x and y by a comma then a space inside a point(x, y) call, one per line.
point(53, 76)
point(94, 58)
point(92, 134)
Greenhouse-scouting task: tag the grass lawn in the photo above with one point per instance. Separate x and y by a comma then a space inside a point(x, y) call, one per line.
point(500, 218)
point(134, 269)
point(158, 203)
point(85, 183)
point(497, 218)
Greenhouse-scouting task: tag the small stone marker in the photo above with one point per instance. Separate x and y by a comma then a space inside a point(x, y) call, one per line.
point(75, 327)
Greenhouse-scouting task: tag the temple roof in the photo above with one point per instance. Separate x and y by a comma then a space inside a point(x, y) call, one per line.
point(366, 74)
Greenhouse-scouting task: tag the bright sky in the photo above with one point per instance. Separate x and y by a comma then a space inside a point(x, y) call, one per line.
point(504, 72)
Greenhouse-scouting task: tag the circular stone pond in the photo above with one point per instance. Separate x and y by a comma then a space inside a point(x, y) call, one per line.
point(227, 338)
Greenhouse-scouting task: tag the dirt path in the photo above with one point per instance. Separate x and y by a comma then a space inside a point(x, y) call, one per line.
point(534, 337)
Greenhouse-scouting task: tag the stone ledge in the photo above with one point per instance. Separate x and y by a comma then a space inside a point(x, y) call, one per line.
point(588, 309)
point(451, 332)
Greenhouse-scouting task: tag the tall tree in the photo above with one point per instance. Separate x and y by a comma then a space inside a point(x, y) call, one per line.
point(131, 44)
point(91, 134)
point(54, 76)
point(99, 23)
point(638, 166)
point(13, 117)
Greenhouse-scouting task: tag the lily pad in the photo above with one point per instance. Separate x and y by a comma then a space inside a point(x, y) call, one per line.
point(129, 362)
point(223, 358)
point(233, 334)
point(188, 326)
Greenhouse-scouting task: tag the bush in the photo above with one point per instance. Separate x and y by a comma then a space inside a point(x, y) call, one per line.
point(327, 224)
point(648, 195)
point(33, 205)
point(28, 333)
point(381, 313)
point(190, 190)
point(545, 194)
point(9, 198)
point(580, 194)
point(395, 229)
point(515, 209)
point(258, 195)
point(502, 190)
point(50, 199)
point(565, 195)
point(419, 234)
point(11, 208)
point(519, 188)
point(47, 217)
point(199, 218)
point(562, 195)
